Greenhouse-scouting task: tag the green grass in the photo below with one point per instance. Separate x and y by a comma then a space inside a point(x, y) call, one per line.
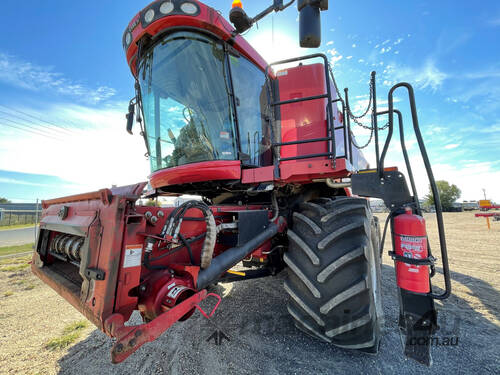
point(70, 334)
point(15, 226)
point(14, 267)
point(15, 260)
point(8, 250)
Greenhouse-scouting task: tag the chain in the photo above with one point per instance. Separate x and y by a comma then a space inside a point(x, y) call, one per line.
point(366, 144)
point(356, 118)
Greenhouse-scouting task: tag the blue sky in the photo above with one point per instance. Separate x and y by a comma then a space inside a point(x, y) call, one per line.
point(64, 86)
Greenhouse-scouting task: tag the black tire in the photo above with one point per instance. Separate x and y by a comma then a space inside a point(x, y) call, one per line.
point(334, 272)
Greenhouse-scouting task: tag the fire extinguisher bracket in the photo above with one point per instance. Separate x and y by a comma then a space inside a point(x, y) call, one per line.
point(429, 261)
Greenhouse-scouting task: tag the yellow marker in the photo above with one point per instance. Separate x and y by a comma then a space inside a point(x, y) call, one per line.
point(237, 3)
point(484, 203)
point(236, 273)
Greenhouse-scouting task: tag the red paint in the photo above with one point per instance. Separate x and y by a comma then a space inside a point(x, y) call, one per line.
point(302, 120)
point(300, 171)
point(102, 194)
point(256, 175)
point(410, 240)
point(131, 338)
point(197, 172)
point(103, 224)
point(219, 300)
point(208, 20)
point(307, 170)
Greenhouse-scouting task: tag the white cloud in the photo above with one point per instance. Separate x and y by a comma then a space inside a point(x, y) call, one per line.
point(29, 183)
point(398, 41)
point(479, 175)
point(348, 57)
point(97, 153)
point(483, 74)
point(329, 43)
point(354, 46)
point(451, 146)
point(29, 76)
point(491, 129)
point(425, 76)
point(335, 56)
point(385, 42)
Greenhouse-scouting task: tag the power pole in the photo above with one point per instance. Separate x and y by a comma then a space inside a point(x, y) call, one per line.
point(484, 192)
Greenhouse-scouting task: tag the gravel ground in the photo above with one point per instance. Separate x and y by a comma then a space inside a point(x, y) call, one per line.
point(262, 337)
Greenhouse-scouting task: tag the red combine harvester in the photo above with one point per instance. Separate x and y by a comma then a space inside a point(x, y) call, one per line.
point(281, 183)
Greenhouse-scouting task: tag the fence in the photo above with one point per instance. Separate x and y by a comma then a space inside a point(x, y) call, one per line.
point(18, 217)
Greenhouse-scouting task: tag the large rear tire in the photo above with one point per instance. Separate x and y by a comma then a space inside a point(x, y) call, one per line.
point(334, 272)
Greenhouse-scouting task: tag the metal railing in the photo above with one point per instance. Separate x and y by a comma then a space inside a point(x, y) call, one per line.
point(330, 138)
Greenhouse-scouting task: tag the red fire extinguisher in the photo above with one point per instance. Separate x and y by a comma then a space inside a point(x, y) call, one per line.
point(410, 240)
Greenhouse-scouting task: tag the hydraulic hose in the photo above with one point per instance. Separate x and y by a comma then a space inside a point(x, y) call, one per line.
point(174, 221)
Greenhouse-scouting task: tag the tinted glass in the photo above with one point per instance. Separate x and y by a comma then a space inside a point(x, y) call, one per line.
point(186, 101)
point(251, 100)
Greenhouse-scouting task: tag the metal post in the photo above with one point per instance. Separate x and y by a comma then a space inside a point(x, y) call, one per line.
point(10, 216)
point(36, 220)
point(347, 121)
point(374, 120)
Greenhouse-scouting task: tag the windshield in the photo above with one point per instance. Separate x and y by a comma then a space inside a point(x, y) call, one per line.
point(186, 101)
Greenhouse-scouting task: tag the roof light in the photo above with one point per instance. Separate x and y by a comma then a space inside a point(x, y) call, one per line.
point(189, 8)
point(237, 3)
point(149, 15)
point(166, 7)
point(128, 38)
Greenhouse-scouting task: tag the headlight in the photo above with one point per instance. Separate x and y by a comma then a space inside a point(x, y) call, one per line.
point(128, 38)
point(149, 15)
point(166, 7)
point(189, 8)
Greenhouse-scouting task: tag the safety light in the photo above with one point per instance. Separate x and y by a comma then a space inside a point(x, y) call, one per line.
point(237, 3)
point(189, 8)
point(128, 38)
point(166, 7)
point(149, 15)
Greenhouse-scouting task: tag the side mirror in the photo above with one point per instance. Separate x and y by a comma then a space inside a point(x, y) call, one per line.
point(310, 22)
point(130, 117)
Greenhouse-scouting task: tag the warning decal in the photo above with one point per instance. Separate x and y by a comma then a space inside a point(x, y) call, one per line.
point(133, 256)
point(175, 291)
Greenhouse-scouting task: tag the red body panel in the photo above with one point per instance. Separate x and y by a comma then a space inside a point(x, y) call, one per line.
point(410, 240)
point(197, 172)
point(302, 120)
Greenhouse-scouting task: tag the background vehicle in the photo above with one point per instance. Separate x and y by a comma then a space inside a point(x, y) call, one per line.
point(272, 155)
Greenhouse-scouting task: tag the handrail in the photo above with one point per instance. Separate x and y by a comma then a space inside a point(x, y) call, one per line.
point(430, 175)
point(332, 148)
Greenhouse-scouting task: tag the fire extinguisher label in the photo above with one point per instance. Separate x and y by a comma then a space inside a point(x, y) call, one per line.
point(412, 247)
point(133, 256)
